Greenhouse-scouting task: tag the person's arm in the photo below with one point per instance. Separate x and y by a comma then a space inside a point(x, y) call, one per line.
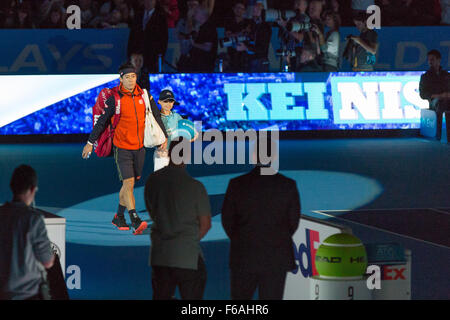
point(40, 242)
point(50, 263)
point(294, 209)
point(157, 114)
point(203, 211)
point(332, 44)
point(210, 6)
point(100, 126)
point(443, 95)
point(298, 36)
point(204, 225)
point(229, 212)
point(424, 90)
point(319, 33)
point(147, 193)
point(369, 46)
point(206, 46)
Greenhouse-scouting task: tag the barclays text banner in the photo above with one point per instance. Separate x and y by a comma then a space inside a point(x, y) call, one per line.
point(60, 51)
point(102, 51)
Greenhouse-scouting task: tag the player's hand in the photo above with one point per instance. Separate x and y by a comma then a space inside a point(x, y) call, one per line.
point(356, 39)
point(195, 137)
point(87, 150)
point(163, 146)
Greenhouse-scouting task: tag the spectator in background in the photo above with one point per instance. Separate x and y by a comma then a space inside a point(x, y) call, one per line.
point(128, 14)
point(170, 7)
point(25, 249)
point(292, 39)
point(204, 45)
point(258, 46)
point(87, 12)
point(23, 16)
point(8, 19)
point(364, 47)
point(137, 60)
point(45, 8)
point(108, 6)
point(308, 60)
point(208, 5)
point(56, 19)
point(300, 7)
point(333, 6)
point(315, 10)
point(330, 42)
point(237, 26)
point(445, 12)
point(149, 34)
point(185, 30)
point(434, 86)
point(112, 14)
point(114, 20)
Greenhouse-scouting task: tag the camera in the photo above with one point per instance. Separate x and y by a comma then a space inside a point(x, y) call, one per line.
point(297, 26)
point(232, 41)
point(272, 15)
point(285, 53)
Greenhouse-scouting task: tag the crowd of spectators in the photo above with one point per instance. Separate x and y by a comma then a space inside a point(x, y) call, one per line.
point(25, 14)
point(308, 29)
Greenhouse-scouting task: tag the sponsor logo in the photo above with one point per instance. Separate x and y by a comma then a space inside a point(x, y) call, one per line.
point(307, 250)
point(55, 249)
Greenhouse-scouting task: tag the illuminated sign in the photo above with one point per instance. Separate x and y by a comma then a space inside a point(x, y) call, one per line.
point(376, 99)
point(289, 101)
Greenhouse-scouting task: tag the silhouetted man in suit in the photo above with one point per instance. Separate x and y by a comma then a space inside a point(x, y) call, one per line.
point(260, 214)
point(149, 34)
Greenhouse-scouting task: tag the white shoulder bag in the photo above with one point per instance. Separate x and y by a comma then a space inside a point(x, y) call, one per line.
point(153, 134)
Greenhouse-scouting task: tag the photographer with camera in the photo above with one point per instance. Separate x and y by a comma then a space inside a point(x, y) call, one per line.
point(236, 32)
point(360, 51)
point(292, 31)
point(257, 47)
point(330, 42)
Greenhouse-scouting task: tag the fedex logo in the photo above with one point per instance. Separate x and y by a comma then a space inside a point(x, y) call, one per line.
point(393, 273)
point(307, 251)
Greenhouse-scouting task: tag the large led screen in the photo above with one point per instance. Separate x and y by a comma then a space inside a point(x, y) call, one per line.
point(62, 104)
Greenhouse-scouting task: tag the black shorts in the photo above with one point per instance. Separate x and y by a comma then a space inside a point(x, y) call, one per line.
point(129, 162)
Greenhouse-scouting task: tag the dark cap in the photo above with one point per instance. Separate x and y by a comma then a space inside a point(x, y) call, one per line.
point(126, 68)
point(167, 95)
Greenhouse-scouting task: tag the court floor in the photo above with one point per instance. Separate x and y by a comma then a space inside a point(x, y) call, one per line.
point(362, 182)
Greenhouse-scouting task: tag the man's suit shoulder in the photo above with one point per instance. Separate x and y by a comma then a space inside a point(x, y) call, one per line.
point(249, 176)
